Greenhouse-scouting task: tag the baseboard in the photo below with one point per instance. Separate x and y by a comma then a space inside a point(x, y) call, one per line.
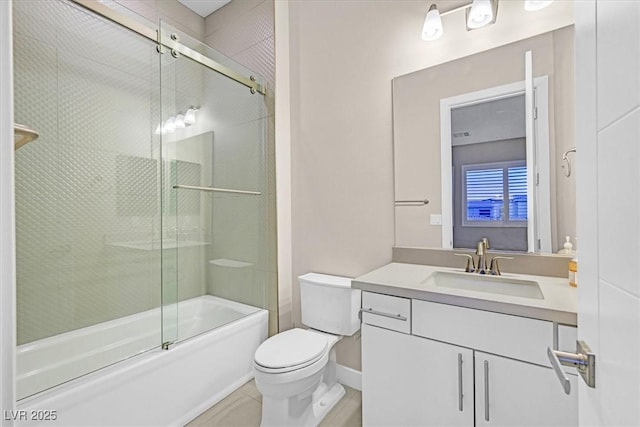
point(349, 377)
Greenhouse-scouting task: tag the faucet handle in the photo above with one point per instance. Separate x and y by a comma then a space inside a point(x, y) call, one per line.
point(471, 267)
point(485, 241)
point(495, 268)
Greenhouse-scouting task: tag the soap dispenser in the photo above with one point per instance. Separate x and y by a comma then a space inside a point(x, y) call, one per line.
point(568, 247)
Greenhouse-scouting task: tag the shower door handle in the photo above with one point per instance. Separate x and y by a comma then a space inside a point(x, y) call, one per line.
point(216, 190)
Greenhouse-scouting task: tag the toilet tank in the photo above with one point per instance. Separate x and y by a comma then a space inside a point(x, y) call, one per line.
point(329, 304)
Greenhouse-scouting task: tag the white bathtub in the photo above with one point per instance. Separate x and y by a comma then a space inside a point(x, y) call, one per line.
point(156, 387)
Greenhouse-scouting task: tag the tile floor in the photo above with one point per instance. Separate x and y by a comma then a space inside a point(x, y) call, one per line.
point(243, 407)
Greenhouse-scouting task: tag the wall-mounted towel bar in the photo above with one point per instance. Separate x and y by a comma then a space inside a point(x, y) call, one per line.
point(412, 202)
point(23, 135)
point(217, 190)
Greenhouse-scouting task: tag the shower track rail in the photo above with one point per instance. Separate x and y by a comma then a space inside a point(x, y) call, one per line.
point(169, 42)
point(218, 190)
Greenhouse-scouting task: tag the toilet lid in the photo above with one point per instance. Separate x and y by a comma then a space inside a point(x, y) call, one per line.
point(290, 348)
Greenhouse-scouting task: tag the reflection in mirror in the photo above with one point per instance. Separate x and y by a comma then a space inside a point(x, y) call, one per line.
point(488, 155)
point(485, 138)
point(463, 122)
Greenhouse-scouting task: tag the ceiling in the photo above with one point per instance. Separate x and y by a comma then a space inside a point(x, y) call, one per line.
point(204, 8)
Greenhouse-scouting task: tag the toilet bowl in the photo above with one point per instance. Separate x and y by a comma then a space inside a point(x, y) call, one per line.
point(296, 370)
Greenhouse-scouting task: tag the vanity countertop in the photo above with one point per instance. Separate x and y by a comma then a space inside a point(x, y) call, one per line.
point(408, 280)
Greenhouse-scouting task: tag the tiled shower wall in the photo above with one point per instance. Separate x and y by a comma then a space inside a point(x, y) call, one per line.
point(243, 30)
point(92, 105)
point(170, 11)
point(87, 191)
point(90, 182)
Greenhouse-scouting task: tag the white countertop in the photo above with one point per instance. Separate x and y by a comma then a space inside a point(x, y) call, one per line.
point(407, 280)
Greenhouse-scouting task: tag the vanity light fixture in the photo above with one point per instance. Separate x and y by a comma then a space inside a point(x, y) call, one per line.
point(180, 124)
point(432, 29)
point(180, 121)
point(533, 5)
point(478, 13)
point(190, 116)
point(169, 125)
point(481, 13)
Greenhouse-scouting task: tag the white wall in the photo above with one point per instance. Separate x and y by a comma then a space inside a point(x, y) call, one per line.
point(343, 56)
point(7, 235)
point(608, 118)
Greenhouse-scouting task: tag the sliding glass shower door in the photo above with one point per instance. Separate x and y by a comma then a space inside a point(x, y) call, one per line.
point(87, 193)
point(141, 209)
point(214, 214)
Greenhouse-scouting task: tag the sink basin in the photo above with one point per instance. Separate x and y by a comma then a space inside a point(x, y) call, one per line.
point(483, 283)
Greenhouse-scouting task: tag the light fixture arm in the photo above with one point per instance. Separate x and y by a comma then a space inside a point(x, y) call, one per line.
point(457, 9)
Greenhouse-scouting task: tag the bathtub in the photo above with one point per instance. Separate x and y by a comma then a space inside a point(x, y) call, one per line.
point(155, 387)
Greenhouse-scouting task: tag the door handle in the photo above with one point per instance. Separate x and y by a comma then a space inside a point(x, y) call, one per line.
point(583, 360)
point(486, 390)
point(460, 394)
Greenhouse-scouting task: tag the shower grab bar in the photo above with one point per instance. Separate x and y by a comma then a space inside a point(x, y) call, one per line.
point(170, 42)
point(217, 190)
point(25, 134)
point(412, 202)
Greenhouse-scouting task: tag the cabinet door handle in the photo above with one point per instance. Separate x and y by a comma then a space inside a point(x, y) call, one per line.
point(383, 314)
point(486, 390)
point(460, 395)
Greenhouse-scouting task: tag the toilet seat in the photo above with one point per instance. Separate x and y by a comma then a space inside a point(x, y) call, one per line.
point(291, 350)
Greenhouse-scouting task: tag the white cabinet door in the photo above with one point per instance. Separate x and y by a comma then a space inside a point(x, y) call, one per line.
point(512, 393)
point(412, 381)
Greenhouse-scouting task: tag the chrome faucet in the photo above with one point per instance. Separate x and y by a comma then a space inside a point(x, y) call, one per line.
point(470, 267)
point(481, 252)
point(495, 268)
point(481, 266)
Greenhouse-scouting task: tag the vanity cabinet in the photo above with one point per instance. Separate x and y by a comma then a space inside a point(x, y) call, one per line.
point(455, 366)
point(513, 393)
point(412, 381)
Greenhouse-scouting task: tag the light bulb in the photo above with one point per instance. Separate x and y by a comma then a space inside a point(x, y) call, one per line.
point(533, 5)
point(170, 125)
point(190, 116)
point(480, 14)
point(432, 29)
point(180, 121)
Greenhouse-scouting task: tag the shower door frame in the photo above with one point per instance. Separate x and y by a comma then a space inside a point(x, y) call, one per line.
point(170, 42)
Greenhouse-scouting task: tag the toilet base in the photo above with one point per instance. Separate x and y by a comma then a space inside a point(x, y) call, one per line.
point(323, 401)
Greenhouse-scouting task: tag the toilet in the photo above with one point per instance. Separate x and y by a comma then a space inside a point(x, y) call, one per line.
point(296, 370)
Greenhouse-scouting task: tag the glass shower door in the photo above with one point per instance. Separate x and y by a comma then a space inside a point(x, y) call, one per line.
point(87, 198)
point(213, 137)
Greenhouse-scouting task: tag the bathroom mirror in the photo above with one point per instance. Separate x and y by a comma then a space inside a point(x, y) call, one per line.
point(491, 131)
